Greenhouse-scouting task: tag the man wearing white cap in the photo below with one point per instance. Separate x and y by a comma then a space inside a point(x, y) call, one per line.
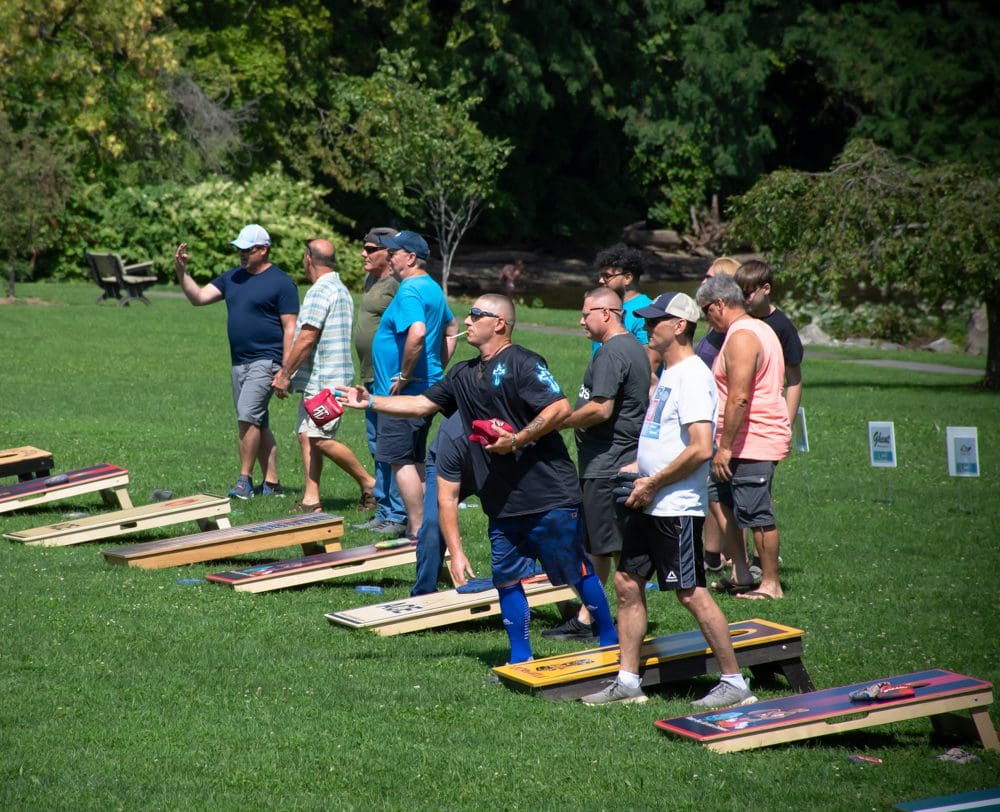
point(668, 501)
point(262, 303)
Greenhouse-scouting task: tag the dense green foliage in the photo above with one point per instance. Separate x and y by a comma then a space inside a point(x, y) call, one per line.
point(887, 232)
point(129, 689)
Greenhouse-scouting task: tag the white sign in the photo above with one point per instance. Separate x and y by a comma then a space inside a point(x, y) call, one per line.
point(881, 444)
point(963, 450)
point(801, 434)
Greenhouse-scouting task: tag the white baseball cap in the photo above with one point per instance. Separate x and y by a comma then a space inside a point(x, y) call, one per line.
point(250, 236)
point(670, 304)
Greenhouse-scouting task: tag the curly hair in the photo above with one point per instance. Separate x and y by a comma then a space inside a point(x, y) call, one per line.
point(622, 258)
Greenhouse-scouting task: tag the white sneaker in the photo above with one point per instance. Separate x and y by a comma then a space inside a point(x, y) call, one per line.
point(615, 692)
point(724, 695)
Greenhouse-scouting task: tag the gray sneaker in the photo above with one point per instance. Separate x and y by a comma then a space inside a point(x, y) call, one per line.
point(387, 528)
point(724, 695)
point(371, 524)
point(615, 692)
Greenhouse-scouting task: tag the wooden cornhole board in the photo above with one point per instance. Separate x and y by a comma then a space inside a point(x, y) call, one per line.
point(26, 462)
point(323, 567)
point(442, 608)
point(314, 531)
point(109, 480)
point(985, 799)
point(819, 713)
point(208, 510)
point(760, 645)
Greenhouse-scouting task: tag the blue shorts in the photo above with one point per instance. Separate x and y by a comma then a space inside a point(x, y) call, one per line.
point(554, 537)
point(252, 391)
point(402, 440)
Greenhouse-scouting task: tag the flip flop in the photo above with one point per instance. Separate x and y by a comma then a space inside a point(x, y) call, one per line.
point(306, 507)
point(727, 586)
point(756, 596)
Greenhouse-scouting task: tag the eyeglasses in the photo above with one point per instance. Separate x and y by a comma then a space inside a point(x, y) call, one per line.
point(657, 319)
point(373, 249)
point(586, 313)
point(249, 250)
point(476, 314)
point(606, 275)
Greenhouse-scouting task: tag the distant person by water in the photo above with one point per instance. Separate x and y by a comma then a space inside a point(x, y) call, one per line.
point(512, 276)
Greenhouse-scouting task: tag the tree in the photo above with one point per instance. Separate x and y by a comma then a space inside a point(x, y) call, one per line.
point(876, 221)
point(35, 176)
point(418, 149)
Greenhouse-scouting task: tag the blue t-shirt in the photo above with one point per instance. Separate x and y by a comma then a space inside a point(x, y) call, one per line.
point(419, 299)
point(633, 323)
point(256, 303)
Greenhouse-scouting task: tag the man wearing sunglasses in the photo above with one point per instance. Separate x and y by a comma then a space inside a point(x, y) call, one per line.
point(262, 303)
point(413, 343)
point(525, 479)
point(381, 285)
point(619, 269)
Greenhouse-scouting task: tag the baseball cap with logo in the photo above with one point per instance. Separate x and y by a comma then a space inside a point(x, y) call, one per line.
point(250, 236)
point(408, 241)
point(670, 304)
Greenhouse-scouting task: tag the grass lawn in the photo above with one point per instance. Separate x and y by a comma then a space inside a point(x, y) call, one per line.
point(129, 689)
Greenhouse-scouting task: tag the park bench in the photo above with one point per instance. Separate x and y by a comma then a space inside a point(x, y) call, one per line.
point(113, 276)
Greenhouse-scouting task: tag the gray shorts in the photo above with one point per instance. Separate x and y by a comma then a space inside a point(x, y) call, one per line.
point(306, 426)
point(603, 518)
point(252, 391)
point(748, 493)
point(402, 440)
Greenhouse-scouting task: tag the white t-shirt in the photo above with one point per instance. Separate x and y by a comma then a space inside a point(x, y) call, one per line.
point(685, 394)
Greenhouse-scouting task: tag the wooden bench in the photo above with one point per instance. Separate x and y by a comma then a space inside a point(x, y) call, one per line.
point(26, 462)
point(208, 510)
point(442, 608)
point(760, 645)
point(113, 275)
point(311, 569)
point(108, 480)
point(316, 532)
point(936, 693)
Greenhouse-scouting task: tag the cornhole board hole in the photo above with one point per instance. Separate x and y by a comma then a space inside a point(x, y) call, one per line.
point(442, 608)
point(26, 462)
point(760, 645)
point(109, 480)
point(323, 567)
point(208, 510)
point(314, 531)
point(968, 801)
point(936, 693)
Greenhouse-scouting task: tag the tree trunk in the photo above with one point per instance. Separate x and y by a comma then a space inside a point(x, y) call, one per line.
point(992, 379)
point(11, 272)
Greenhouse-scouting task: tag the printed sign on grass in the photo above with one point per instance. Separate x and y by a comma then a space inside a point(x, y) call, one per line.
point(881, 444)
point(800, 435)
point(963, 450)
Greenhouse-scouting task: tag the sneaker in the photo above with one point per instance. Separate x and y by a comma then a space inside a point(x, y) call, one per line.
point(367, 501)
point(271, 489)
point(615, 692)
point(371, 524)
point(724, 695)
point(243, 489)
point(387, 528)
point(572, 629)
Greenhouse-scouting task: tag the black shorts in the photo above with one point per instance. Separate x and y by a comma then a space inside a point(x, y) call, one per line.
point(669, 546)
point(603, 518)
point(402, 440)
point(748, 492)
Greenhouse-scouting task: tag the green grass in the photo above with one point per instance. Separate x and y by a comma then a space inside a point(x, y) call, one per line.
point(126, 689)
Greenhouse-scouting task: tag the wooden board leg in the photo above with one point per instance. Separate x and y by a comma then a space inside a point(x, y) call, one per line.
point(979, 726)
point(984, 727)
point(121, 494)
point(318, 547)
point(217, 523)
point(795, 672)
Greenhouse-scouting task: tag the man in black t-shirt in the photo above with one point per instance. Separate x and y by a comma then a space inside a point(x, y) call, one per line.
point(526, 479)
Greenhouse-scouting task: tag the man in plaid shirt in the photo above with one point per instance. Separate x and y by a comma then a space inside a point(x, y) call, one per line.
point(320, 358)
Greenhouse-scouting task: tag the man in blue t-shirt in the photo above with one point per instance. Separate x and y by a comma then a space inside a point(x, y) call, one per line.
point(619, 269)
point(525, 479)
point(412, 345)
point(262, 303)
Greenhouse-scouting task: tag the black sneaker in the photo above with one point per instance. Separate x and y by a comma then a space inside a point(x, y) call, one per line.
point(572, 629)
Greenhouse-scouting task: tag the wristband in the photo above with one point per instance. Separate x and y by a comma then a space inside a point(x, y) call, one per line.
point(371, 403)
point(513, 442)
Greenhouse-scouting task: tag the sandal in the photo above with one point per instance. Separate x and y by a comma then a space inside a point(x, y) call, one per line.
point(728, 586)
point(306, 507)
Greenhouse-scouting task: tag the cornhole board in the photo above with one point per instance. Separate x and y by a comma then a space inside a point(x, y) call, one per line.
point(109, 480)
point(314, 531)
point(323, 567)
point(26, 462)
point(937, 694)
point(208, 510)
point(982, 800)
point(442, 608)
point(760, 645)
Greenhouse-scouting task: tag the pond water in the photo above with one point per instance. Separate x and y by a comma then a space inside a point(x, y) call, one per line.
point(570, 296)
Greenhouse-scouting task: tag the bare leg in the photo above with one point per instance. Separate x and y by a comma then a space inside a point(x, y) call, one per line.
point(344, 457)
point(410, 479)
point(602, 568)
point(267, 456)
point(312, 464)
point(713, 625)
point(630, 591)
point(732, 544)
point(769, 544)
point(250, 444)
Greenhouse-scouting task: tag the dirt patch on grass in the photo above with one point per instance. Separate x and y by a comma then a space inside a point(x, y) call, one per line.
point(26, 300)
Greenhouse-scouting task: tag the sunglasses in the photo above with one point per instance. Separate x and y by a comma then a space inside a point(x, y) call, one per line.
point(586, 313)
point(476, 314)
point(373, 249)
